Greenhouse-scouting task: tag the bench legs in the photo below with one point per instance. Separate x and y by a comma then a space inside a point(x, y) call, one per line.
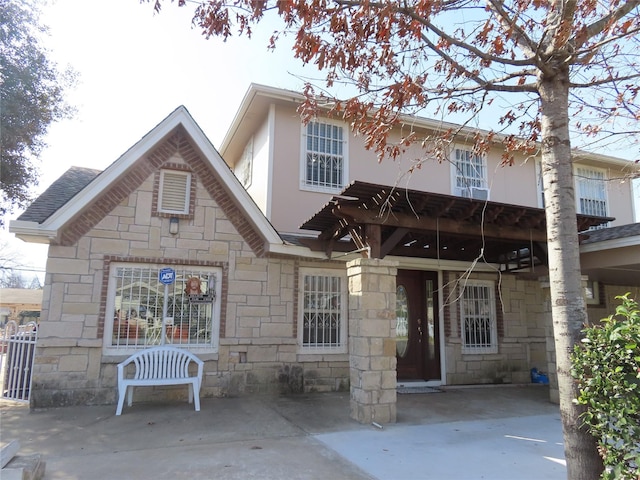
point(121, 394)
point(194, 396)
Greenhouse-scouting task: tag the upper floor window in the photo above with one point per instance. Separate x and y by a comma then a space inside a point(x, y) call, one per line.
point(469, 173)
point(591, 192)
point(174, 192)
point(138, 315)
point(244, 166)
point(323, 315)
point(478, 320)
point(324, 164)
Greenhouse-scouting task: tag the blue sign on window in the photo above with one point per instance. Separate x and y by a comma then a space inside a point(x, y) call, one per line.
point(167, 275)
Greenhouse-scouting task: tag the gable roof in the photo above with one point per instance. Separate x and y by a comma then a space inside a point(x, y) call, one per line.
point(59, 192)
point(61, 214)
point(613, 233)
point(612, 255)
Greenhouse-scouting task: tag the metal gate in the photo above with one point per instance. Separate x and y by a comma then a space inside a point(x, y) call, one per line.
point(18, 348)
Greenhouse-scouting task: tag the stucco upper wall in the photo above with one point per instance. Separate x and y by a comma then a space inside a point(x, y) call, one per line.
point(292, 206)
point(278, 129)
point(620, 197)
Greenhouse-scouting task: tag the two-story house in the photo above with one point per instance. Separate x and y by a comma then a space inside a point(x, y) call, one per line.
point(317, 268)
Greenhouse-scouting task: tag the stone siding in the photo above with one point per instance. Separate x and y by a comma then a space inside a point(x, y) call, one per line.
point(521, 317)
point(608, 301)
point(258, 346)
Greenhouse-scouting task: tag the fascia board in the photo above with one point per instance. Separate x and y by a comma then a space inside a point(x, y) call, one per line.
point(254, 90)
point(237, 119)
point(111, 174)
point(31, 232)
point(231, 182)
point(633, 241)
point(295, 250)
point(435, 264)
point(404, 262)
point(180, 116)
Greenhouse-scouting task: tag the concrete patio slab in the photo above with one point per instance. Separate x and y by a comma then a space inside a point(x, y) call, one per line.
point(498, 432)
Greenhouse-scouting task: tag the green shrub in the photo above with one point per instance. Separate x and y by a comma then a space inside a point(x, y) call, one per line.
point(607, 367)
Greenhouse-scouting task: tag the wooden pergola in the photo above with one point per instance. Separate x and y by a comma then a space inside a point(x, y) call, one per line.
point(380, 220)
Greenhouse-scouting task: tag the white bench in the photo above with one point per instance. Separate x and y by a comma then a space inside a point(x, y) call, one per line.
point(162, 365)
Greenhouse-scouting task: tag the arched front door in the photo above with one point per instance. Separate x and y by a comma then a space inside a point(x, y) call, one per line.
point(417, 326)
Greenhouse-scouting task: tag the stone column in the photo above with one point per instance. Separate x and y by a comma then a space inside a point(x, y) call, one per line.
point(372, 345)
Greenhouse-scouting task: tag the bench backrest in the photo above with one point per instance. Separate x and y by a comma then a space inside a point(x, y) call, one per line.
point(163, 362)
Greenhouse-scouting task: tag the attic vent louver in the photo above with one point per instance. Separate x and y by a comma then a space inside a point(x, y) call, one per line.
point(175, 187)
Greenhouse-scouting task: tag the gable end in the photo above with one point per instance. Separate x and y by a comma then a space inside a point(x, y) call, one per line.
point(178, 142)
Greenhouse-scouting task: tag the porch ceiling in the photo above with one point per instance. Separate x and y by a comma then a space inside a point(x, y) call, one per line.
point(382, 220)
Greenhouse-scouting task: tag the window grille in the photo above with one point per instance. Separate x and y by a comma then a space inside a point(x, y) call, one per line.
point(136, 303)
point(324, 157)
point(478, 318)
point(323, 313)
point(470, 171)
point(174, 192)
point(592, 194)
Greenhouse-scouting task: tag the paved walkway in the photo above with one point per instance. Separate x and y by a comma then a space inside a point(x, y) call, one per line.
point(479, 433)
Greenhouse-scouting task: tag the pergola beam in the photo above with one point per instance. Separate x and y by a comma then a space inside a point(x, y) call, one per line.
point(442, 225)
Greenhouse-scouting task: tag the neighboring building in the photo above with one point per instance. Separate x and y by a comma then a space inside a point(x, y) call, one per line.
point(313, 268)
point(21, 305)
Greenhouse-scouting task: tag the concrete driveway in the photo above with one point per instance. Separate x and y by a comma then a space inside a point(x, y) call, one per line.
point(473, 433)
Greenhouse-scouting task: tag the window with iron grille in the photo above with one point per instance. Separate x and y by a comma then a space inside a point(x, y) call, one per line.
point(469, 172)
point(142, 312)
point(174, 192)
point(323, 313)
point(478, 318)
point(592, 192)
point(324, 162)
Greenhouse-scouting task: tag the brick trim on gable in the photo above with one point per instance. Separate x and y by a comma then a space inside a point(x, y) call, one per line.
point(105, 203)
point(108, 259)
point(158, 158)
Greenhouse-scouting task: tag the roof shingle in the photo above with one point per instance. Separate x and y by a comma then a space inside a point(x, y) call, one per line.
point(60, 192)
point(612, 233)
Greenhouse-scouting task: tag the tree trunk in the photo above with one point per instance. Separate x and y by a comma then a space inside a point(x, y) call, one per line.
point(567, 298)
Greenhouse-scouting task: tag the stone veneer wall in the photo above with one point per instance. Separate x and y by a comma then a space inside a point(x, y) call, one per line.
point(257, 350)
point(521, 314)
point(608, 301)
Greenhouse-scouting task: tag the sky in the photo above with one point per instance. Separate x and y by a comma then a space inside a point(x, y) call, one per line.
point(135, 67)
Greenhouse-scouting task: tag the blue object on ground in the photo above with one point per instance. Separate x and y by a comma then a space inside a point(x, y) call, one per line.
point(539, 377)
